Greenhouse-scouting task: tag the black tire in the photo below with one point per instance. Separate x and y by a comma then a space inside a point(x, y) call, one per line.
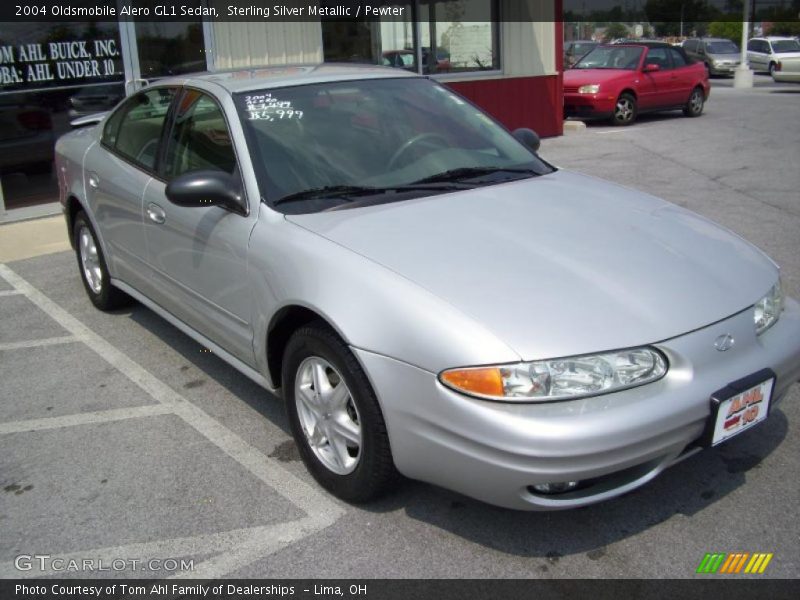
point(102, 294)
point(625, 110)
point(374, 472)
point(771, 70)
point(695, 103)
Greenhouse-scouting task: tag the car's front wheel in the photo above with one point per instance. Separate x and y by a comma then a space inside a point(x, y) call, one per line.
point(92, 267)
point(624, 110)
point(335, 417)
point(772, 68)
point(694, 106)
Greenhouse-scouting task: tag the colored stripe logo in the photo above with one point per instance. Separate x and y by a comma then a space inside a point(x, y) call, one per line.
point(737, 562)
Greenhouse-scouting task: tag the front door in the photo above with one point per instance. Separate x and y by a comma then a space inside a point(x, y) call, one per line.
point(199, 254)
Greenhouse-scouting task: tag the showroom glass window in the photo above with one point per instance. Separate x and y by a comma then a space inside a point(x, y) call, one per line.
point(459, 36)
point(50, 73)
point(454, 36)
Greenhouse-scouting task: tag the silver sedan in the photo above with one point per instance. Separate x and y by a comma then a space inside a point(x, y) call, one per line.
point(430, 296)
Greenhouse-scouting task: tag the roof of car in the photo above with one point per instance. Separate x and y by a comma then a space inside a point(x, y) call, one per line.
point(645, 43)
point(288, 75)
point(774, 38)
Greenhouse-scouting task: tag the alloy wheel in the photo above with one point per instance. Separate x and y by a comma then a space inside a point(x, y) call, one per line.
point(328, 415)
point(90, 261)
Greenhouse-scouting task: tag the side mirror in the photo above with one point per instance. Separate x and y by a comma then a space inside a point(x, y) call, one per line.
point(528, 138)
point(207, 188)
point(651, 68)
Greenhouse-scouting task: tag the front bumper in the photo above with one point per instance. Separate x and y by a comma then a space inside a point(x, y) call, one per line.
point(728, 69)
point(495, 451)
point(590, 106)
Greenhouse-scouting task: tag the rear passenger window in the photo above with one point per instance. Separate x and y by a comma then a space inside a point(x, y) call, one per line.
point(134, 130)
point(658, 56)
point(677, 58)
point(200, 139)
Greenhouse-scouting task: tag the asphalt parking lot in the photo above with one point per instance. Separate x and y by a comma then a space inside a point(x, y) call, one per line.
point(122, 439)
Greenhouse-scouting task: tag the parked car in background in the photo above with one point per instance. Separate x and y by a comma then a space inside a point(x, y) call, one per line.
point(787, 69)
point(95, 99)
point(620, 81)
point(720, 56)
point(768, 53)
point(576, 49)
point(430, 296)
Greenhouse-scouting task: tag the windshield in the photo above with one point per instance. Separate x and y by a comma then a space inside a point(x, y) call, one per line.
point(610, 57)
point(784, 46)
point(316, 147)
point(582, 48)
point(722, 48)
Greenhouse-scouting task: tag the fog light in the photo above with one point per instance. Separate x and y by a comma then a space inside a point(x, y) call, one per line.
point(555, 488)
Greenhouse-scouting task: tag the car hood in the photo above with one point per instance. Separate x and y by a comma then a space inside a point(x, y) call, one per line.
point(561, 264)
point(785, 55)
point(573, 77)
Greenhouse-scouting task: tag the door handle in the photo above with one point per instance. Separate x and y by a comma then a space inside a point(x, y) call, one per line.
point(156, 214)
point(94, 180)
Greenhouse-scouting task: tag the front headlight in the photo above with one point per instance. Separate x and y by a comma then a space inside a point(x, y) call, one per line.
point(589, 89)
point(767, 311)
point(560, 378)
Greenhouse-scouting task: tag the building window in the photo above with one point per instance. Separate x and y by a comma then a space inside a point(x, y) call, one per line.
point(458, 36)
point(455, 36)
point(388, 42)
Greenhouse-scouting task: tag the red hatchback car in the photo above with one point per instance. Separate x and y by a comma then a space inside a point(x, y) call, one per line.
point(619, 81)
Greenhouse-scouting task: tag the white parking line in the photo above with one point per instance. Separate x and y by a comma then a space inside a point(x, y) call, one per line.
point(54, 341)
point(321, 510)
point(101, 416)
point(9, 293)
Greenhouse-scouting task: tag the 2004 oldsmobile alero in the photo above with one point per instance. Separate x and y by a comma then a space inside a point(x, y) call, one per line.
point(431, 297)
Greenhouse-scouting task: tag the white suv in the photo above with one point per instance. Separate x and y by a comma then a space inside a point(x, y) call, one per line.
point(766, 53)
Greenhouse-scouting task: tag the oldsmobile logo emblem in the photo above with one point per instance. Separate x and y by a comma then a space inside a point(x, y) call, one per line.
point(724, 342)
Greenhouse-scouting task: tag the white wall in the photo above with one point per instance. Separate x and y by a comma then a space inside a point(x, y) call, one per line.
point(262, 42)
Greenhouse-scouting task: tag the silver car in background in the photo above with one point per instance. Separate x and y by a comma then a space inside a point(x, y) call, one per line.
point(430, 297)
point(720, 56)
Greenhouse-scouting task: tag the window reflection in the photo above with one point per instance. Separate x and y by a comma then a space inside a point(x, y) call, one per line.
point(459, 35)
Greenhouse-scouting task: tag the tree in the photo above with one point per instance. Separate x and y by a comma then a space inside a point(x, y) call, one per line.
point(730, 30)
point(785, 28)
point(614, 31)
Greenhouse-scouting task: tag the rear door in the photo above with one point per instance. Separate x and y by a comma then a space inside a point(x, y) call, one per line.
point(199, 254)
point(117, 170)
point(757, 54)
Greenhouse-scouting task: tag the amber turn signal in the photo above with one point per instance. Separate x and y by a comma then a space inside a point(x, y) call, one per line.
point(483, 381)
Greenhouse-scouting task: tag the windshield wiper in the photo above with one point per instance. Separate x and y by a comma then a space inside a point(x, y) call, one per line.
point(342, 191)
point(467, 172)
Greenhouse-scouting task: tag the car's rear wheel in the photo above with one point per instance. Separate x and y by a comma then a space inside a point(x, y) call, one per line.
point(625, 110)
point(92, 267)
point(694, 106)
point(335, 417)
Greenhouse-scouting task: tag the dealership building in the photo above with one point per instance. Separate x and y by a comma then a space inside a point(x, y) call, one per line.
point(504, 55)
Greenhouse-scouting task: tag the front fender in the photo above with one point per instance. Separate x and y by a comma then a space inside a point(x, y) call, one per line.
point(371, 307)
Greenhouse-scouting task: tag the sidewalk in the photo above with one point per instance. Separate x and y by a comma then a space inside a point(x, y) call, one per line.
point(33, 238)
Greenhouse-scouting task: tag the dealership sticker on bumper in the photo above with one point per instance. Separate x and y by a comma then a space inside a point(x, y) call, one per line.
point(735, 409)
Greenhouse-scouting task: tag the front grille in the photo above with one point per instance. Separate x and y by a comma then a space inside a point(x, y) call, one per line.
point(571, 89)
